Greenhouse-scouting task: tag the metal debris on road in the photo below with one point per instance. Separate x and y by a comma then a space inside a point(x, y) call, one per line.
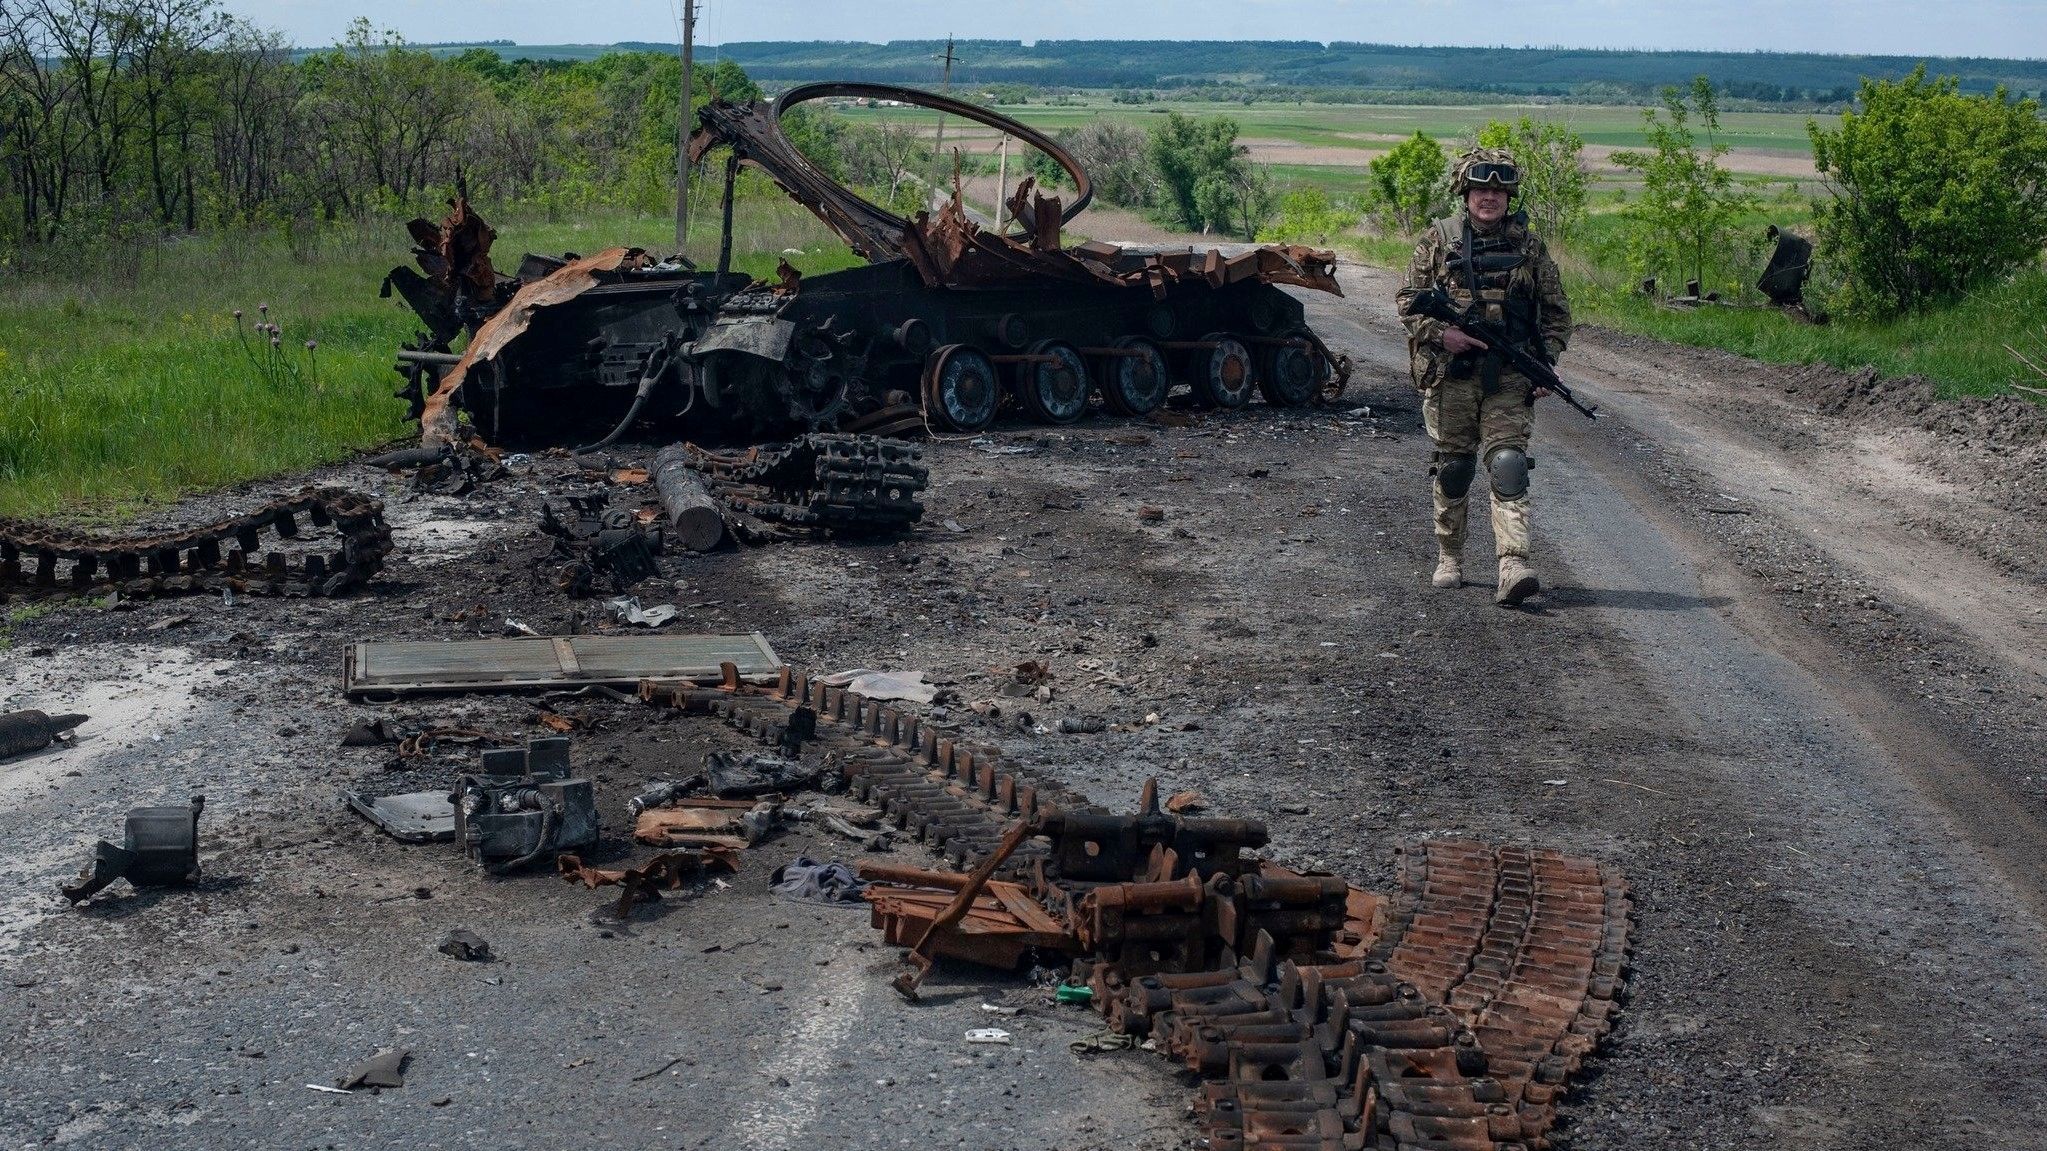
point(627, 610)
point(465, 945)
point(522, 805)
point(1454, 1014)
point(666, 871)
point(405, 667)
point(160, 848)
point(385, 1069)
point(268, 551)
point(824, 483)
point(23, 732)
point(412, 817)
point(598, 542)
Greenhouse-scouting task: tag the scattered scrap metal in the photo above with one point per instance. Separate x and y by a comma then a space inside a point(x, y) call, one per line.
point(159, 848)
point(950, 321)
point(823, 483)
point(599, 542)
point(1451, 1015)
point(265, 552)
point(522, 804)
point(22, 732)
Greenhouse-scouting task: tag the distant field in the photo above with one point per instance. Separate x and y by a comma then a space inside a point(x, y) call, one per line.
point(1330, 144)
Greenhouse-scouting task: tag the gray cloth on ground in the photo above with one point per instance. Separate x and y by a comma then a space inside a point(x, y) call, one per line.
point(818, 882)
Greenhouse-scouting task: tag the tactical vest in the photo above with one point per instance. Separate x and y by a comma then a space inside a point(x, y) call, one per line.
point(1493, 271)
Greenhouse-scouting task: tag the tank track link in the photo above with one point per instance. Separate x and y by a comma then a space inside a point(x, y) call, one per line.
point(826, 482)
point(1451, 1017)
point(264, 552)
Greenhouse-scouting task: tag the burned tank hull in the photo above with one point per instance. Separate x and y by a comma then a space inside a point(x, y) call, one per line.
point(950, 323)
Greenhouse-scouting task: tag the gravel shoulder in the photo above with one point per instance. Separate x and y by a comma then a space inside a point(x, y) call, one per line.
point(1825, 820)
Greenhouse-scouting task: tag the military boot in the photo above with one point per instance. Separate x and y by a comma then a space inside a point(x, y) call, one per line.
point(1517, 581)
point(1449, 569)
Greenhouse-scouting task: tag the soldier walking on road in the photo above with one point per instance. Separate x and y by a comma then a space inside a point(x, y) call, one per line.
point(1474, 405)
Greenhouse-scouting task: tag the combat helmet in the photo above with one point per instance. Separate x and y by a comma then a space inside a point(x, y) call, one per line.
point(1485, 168)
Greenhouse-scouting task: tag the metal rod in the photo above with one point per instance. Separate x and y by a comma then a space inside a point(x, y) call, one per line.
point(725, 236)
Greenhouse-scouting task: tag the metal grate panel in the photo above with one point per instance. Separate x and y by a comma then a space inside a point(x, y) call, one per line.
point(404, 667)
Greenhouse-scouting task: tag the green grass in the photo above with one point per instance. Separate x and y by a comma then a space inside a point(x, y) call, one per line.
point(1960, 348)
point(126, 383)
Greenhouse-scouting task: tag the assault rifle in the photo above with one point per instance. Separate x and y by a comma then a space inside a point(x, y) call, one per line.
point(1437, 305)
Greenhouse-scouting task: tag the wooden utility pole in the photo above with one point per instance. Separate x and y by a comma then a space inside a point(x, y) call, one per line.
point(683, 126)
point(938, 149)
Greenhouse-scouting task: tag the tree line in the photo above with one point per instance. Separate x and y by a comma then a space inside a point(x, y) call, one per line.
point(173, 114)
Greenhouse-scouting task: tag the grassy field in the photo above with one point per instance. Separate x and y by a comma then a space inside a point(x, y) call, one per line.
point(124, 384)
point(1338, 125)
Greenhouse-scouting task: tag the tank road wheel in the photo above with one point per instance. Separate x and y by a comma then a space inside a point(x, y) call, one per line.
point(1223, 375)
point(1291, 373)
point(1135, 385)
point(1054, 392)
point(960, 388)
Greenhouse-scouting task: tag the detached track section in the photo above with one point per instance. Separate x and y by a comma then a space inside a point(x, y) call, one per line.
point(825, 481)
point(1452, 1020)
point(265, 552)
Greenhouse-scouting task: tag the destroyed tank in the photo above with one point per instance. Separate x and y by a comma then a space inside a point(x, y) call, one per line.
point(949, 323)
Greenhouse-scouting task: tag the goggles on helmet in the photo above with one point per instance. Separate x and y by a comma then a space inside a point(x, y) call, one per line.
point(1494, 174)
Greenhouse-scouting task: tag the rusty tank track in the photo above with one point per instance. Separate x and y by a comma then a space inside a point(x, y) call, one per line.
point(247, 554)
point(824, 482)
point(1451, 1017)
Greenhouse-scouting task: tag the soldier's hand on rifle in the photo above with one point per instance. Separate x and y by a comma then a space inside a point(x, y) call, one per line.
point(1457, 342)
point(1539, 393)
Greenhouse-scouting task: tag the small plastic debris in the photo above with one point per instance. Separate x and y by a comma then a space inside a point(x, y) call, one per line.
point(1079, 993)
point(988, 1035)
point(1000, 1009)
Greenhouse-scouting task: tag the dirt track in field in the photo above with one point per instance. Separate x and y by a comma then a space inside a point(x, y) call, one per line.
point(1787, 674)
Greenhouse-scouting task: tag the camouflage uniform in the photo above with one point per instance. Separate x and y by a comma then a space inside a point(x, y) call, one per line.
point(1475, 406)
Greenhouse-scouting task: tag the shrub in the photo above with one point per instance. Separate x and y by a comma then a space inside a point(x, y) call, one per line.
point(1689, 204)
point(1934, 192)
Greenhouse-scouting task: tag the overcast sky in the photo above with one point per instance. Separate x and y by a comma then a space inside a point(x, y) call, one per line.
point(1878, 27)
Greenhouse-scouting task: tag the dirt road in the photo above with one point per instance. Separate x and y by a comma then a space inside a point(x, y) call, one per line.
point(1787, 675)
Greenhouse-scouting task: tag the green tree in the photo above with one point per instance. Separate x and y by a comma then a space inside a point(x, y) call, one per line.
point(1934, 192)
point(1206, 182)
point(1689, 203)
point(1308, 216)
point(1407, 183)
point(1116, 156)
point(1553, 178)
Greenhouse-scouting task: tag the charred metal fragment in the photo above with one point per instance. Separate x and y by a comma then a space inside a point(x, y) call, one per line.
point(159, 848)
point(22, 732)
point(598, 542)
point(522, 805)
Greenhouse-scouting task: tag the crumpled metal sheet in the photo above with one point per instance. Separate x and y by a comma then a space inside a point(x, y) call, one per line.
point(437, 422)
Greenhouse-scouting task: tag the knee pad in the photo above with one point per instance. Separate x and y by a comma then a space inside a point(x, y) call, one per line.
point(1509, 468)
point(1454, 472)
